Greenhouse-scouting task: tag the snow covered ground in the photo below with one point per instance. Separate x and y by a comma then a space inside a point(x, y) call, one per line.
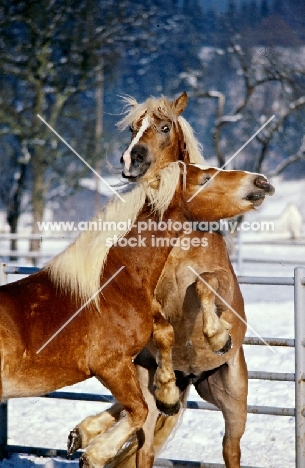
point(268, 442)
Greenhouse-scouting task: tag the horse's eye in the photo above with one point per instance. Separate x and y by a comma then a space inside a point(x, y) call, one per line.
point(165, 128)
point(205, 180)
point(131, 129)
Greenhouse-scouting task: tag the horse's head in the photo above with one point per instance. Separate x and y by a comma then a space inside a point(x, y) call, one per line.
point(159, 136)
point(212, 194)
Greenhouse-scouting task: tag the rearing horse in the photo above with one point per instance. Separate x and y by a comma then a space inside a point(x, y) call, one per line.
point(202, 309)
point(230, 193)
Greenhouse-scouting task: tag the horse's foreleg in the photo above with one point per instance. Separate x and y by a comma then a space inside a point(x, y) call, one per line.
point(84, 433)
point(166, 392)
point(139, 452)
point(105, 446)
point(142, 448)
point(227, 388)
point(215, 329)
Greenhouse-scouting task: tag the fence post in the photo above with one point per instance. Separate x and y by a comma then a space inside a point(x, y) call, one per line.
point(299, 324)
point(3, 430)
point(3, 278)
point(3, 406)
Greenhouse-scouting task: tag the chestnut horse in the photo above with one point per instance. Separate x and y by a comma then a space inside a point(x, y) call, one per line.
point(161, 135)
point(202, 309)
point(230, 193)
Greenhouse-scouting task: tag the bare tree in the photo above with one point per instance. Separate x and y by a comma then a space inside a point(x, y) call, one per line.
point(264, 81)
point(50, 53)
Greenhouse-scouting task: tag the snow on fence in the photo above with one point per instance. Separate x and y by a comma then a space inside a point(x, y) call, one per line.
point(298, 281)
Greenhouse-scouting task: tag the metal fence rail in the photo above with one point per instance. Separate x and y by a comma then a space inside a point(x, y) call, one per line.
point(20, 254)
point(25, 238)
point(298, 377)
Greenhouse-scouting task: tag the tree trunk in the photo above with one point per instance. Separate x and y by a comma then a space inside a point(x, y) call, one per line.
point(38, 196)
point(14, 208)
point(99, 96)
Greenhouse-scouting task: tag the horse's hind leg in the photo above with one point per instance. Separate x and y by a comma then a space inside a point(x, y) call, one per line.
point(227, 388)
point(139, 452)
point(105, 446)
point(84, 433)
point(215, 329)
point(145, 454)
point(157, 427)
point(166, 392)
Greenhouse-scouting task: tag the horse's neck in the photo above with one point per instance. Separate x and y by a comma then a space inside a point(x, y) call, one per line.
point(150, 260)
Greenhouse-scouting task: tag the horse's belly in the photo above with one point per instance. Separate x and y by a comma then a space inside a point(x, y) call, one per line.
point(34, 380)
point(25, 373)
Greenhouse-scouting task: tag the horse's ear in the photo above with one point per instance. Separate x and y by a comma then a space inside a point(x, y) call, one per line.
point(180, 103)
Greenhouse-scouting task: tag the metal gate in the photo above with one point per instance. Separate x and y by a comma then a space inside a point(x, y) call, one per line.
point(298, 281)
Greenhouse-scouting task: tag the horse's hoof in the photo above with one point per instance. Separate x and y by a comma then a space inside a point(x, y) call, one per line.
point(74, 441)
point(226, 347)
point(168, 410)
point(84, 462)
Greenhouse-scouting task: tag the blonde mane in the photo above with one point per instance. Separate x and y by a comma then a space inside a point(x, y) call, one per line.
point(161, 108)
point(78, 269)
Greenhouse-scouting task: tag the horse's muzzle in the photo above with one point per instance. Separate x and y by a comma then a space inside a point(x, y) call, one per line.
point(262, 187)
point(139, 162)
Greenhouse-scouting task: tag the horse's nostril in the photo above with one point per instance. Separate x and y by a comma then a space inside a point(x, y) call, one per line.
point(138, 157)
point(139, 153)
point(263, 183)
point(121, 160)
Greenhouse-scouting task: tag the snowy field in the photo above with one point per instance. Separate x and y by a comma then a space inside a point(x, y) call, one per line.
point(268, 441)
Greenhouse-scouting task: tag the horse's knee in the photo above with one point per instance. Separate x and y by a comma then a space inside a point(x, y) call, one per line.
point(215, 329)
point(218, 336)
